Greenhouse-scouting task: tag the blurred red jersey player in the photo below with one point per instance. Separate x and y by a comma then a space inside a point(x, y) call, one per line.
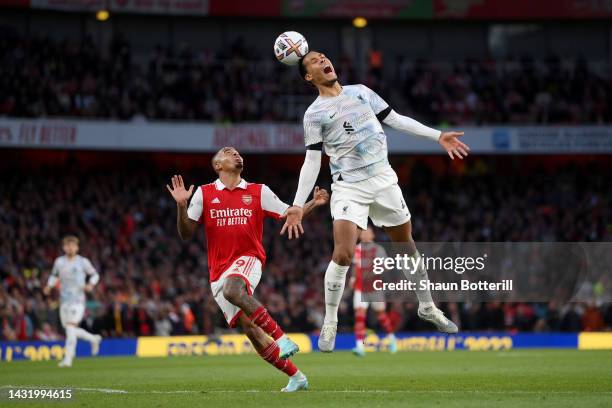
point(362, 283)
point(233, 212)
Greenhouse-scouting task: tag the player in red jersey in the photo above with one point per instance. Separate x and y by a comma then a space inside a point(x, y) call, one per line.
point(362, 282)
point(232, 212)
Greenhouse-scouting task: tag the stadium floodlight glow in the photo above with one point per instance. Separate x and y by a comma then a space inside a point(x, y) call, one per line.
point(102, 15)
point(360, 22)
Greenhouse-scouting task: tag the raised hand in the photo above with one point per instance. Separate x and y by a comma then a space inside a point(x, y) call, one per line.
point(293, 222)
point(320, 196)
point(455, 148)
point(178, 191)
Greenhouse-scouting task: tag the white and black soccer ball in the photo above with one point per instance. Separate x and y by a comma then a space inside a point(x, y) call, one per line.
point(289, 47)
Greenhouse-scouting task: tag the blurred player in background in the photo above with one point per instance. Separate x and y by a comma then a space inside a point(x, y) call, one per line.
point(233, 212)
point(362, 281)
point(346, 120)
point(76, 275)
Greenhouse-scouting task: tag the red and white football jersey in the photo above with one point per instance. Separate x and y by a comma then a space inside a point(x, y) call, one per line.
point(233, 221)
point(363, 261)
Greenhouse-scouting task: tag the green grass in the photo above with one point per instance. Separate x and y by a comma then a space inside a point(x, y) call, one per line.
point(534, 378)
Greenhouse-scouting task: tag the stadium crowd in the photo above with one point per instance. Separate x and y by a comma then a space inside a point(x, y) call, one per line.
point(154, 284)
point(43, 77)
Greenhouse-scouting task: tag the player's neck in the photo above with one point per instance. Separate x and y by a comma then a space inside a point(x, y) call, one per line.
point(330, 91)
point(71, 257)
point(230, 180)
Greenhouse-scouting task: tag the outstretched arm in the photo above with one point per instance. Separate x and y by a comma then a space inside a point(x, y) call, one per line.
point(275, 208)
point(448, 140)
point(186, 226)
point(308, 177)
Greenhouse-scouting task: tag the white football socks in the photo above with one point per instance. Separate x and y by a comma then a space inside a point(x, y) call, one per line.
point(423, 295)
point(335, 277)
point(84, 334)
point(72, 334)
point(71, 342)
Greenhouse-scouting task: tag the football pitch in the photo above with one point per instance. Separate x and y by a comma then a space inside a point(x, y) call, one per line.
point(547, 378)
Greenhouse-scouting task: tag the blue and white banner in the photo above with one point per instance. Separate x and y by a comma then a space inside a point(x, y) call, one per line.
point(462, 341)
point(238, 344)
point(54, 350)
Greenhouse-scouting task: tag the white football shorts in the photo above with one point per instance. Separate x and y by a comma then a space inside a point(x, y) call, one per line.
point(378, 197)
point(249, 269)
point(71, 313)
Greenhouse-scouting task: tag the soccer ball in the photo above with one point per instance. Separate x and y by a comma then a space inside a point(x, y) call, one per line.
point(289, 47)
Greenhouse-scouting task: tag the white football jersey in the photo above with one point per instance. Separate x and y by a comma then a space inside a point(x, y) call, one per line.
point(72, 275)
point(352, 136)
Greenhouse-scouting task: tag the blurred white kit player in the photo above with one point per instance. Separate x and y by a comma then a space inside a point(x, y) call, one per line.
point(75, 275)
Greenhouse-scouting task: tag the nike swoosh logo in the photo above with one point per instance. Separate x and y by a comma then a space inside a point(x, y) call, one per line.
point(332, 116)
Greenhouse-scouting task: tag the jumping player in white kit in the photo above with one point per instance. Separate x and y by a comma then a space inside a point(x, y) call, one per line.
point(346, 121)
point(76, 275)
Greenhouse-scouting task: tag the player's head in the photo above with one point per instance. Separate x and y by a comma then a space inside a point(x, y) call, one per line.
point(227, 160)
point(367, 235)
point(70, 245)
point(317, 69)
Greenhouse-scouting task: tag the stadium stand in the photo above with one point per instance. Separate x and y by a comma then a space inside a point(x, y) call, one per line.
point(154, 284)
point(46, 77)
